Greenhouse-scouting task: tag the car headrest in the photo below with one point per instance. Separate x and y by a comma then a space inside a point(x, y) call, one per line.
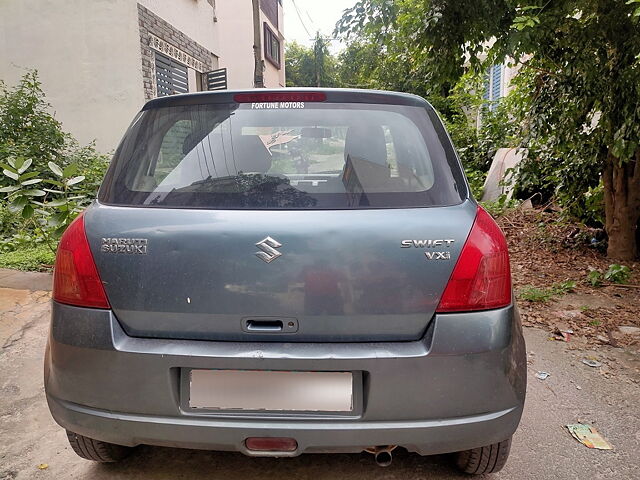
point(366, 142)
point(250, 154)
point(192, 140)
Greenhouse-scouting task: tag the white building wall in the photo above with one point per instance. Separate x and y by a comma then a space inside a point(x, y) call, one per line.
point(235, 27)
point(235, 23)
point(274, 77)
point(87, 55)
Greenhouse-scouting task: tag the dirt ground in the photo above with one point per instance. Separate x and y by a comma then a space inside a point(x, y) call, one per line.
point(546, 251)
point(606, 397)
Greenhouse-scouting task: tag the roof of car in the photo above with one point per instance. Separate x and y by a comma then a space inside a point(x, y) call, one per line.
point(336, 95)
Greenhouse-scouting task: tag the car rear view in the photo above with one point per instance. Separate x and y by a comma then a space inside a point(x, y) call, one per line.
point(286, 272)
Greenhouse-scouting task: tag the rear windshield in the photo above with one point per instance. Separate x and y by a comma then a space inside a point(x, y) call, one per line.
point(288, 155)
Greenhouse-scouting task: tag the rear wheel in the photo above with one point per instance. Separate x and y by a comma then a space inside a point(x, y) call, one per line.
point(96, 450)
point(487, 459)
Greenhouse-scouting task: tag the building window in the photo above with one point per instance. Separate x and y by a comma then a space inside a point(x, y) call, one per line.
point(171, 76)
point(493, 85)
point(271, 46)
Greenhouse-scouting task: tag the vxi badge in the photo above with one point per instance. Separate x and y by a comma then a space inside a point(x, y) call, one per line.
point(431, 244)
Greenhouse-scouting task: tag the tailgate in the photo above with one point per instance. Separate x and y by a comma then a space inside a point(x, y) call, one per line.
point(294, 276)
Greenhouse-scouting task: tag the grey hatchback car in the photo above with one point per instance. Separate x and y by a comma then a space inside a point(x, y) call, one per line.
point(279, 272)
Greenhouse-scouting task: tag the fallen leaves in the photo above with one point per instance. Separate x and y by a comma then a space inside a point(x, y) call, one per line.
point(547, 250)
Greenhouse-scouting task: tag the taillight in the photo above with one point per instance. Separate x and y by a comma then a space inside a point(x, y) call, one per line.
point(75, 277)
point(481, 279)
point(279, 97)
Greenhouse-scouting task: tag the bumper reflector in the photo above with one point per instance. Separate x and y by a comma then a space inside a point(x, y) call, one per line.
point(271, 444)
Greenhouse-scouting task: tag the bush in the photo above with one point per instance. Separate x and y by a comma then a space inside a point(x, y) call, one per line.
point(10, 222)
point(47, 178)
point(477, 129)
point(27, 129)
point(563, 166)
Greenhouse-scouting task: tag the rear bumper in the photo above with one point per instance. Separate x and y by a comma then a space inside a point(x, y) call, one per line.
point(459, 387)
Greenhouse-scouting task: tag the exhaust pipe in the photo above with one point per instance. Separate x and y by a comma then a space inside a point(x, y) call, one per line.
point(382, 454)
point(384, 458)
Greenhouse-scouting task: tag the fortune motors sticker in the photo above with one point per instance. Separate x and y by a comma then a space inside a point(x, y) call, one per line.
point(276, 105)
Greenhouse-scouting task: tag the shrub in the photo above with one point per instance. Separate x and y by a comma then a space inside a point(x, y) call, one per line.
point(46, 177)
point(27, 129)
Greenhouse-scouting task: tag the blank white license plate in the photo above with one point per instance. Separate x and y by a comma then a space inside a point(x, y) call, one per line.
point(275, 391)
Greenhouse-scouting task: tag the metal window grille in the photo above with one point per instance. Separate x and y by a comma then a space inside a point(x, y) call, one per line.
point(171, 76)
point(493, 85)
point(216, 79)
point(496, 82)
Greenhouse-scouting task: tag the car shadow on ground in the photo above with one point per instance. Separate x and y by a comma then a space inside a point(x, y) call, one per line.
point(167, 463)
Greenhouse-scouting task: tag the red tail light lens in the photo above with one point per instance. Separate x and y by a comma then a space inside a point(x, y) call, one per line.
point(279, 97)
point(75, 278)
point(481, 279)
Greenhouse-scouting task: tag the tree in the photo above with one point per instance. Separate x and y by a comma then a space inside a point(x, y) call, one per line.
point(581, 62)
point(311, 66)
point(359, 65)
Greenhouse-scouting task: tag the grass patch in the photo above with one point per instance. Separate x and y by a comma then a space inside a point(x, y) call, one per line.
point(535, 294)
point(28, 259)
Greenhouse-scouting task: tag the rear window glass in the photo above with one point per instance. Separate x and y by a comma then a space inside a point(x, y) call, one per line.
point(289, 155)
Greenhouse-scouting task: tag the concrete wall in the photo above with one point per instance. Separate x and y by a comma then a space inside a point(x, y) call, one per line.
point(274, 77)
point(235, 22)
point(88, 57)
point(235, 26)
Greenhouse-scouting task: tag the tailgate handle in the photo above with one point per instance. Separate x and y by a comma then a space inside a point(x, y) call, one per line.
point(264, 325)
point(270, 325)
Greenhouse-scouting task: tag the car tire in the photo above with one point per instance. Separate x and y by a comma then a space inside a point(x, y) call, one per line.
point(96, 450)
point(489, 459)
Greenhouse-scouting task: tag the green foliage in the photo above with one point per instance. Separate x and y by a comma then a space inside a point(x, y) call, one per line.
point(47, 205)
point(311, 66)
point(27, 129)
point(10, 222)
point(28, 258)
point(359, 66)
point(616, 273)
point(476, 180)
point(535, 294)
point(46, 177)
point(476, 131)
point(500, 205)
point(591, 210)
point(594, 277)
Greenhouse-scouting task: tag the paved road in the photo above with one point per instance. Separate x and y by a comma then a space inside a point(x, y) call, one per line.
point(609, 398)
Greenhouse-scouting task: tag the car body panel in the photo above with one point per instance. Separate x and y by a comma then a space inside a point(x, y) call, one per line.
point(466, 389)
point(342, 275)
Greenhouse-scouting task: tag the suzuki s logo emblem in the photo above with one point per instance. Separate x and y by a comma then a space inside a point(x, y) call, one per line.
point(268, 247)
